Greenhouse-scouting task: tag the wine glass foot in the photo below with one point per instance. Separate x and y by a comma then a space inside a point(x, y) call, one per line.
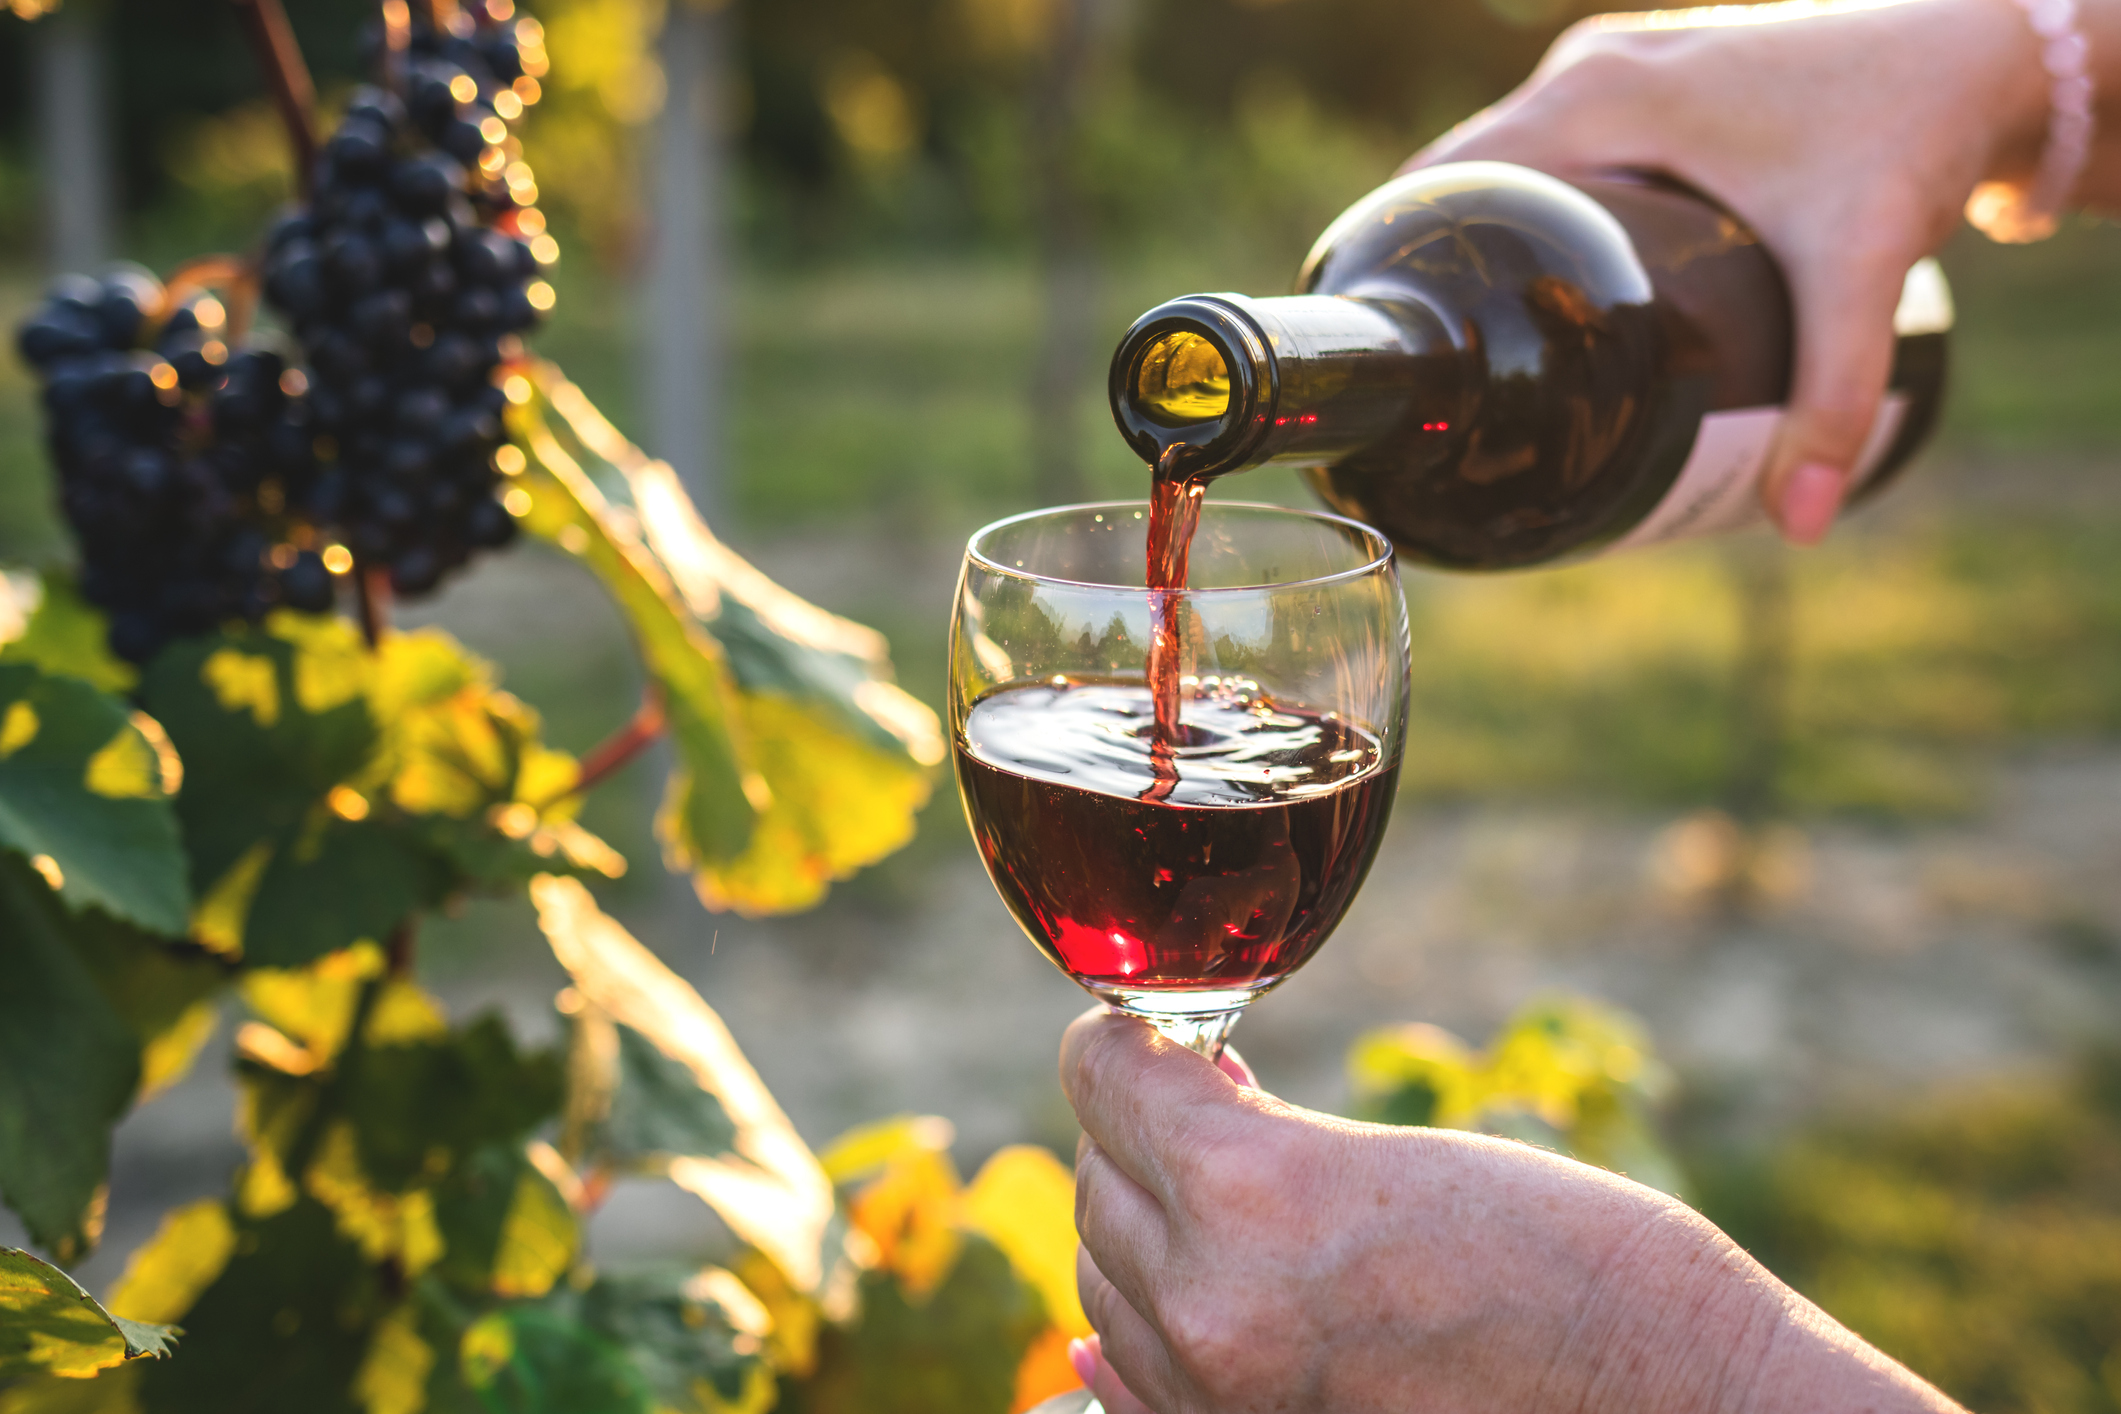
point(1199, 1021)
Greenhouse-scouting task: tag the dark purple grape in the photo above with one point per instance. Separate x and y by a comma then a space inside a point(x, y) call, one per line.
point(462, 139)
point(352, 262)
point(379, 106)
point(359, 149)
point(306, 585)
point(58, 333)
point(424, 185)
point(134, 636)
point(488, 525)
point(127, 297)
point(415, 571)
point(382, 319)
point(296, 281)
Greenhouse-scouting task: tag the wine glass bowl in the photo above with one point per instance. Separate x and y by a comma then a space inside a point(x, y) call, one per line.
point(1178, 880)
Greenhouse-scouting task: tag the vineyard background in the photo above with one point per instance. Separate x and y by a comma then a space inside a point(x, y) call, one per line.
point(1884, 989)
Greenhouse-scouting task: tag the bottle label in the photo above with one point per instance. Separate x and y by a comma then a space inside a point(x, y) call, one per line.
point(1717, 491)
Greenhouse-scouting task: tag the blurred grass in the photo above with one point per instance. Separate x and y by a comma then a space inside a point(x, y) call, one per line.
point(1975, 1235)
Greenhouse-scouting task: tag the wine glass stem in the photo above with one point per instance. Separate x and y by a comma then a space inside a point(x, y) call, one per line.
point(1203, 1033)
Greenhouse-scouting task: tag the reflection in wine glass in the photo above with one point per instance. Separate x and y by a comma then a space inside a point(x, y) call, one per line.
point(1178, 895)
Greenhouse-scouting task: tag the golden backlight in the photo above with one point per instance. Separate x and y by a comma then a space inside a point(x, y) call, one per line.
point(1182, 380)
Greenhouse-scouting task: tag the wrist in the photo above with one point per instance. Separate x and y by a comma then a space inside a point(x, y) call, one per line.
point(2019, 94)
point(2008, 83)
point(1680, 1321)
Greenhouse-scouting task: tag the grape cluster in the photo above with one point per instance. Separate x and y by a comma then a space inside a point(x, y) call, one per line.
point(185, 468)
point(408, 280)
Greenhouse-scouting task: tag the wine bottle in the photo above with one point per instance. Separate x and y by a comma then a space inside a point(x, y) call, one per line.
point(1500, 368)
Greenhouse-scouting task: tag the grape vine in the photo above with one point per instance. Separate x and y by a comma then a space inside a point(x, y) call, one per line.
point(407, 278)
point(186, 470)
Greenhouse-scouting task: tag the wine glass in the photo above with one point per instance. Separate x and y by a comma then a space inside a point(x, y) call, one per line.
point(1178, 880)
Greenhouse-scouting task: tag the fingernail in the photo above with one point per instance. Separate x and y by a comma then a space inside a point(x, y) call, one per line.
point(1084, 1362)
point(1810, 502)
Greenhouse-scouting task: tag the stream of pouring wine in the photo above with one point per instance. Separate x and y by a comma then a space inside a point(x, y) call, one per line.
point(1174, 514)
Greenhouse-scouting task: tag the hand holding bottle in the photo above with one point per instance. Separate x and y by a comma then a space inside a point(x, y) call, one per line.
point(1849, 136)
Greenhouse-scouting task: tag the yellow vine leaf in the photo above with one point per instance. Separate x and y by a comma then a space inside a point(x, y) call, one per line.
point(18, 728)
point(314, 1004)
point(910, 1212)
point(244, 682)
point(217, 919)
point(404, 1013)
point(867, 1148)
point(838, 804)
point(165, 1059)
point(538, 1238)
point(400, 1225)
point(1023, 1201)
point(125, 768)
point(171, 1271)
point(393, 1374)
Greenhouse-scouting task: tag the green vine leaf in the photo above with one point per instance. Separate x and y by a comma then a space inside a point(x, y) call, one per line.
point(85, 789)
point(268, 720)
point(658, 1108)
point(283, 1325)
point(957, 1349)
point(1565, 1072)
point(68, 1068)
point(339, 791)
point(542, 1360)
point(714, 793)
point(49, 1324)
point(835, 757)
point(505, 1228)
point(164, 992)
point(696, 1338)
point(428, 1103)
point(45, 623)
point(766, 1184)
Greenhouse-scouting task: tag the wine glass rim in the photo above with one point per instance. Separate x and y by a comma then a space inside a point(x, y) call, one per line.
point(1380, 557)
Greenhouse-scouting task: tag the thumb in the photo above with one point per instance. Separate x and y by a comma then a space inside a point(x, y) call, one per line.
point(1844, 356)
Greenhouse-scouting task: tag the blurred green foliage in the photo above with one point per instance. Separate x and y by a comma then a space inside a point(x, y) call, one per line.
point(1976, 1237)
point(1565, 1072)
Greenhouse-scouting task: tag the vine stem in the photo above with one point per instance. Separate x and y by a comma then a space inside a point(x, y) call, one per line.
point(372, 595)
point(398, 953)
point(397, 37)
point(231, 274)
point(627, 742)
point(272, 40)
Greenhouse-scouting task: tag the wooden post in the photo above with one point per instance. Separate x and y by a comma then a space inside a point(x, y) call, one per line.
point(685, 278)
point(76, 175)
point(1067, 257)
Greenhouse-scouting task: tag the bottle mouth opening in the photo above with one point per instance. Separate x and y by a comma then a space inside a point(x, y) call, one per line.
point(1195, 371)
point(1182, 380)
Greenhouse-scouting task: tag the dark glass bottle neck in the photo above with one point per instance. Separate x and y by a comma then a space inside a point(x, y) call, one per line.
point(1302, 380)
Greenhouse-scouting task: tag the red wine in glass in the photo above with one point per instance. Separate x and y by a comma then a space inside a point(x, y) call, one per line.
point(1218, 867)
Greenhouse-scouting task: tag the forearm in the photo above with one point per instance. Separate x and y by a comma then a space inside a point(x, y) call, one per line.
point(1702, 1328)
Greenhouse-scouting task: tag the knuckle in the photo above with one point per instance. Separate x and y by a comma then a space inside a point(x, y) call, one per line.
point(1213, 1341)
point(1237, 1178)
point(1594, 57)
